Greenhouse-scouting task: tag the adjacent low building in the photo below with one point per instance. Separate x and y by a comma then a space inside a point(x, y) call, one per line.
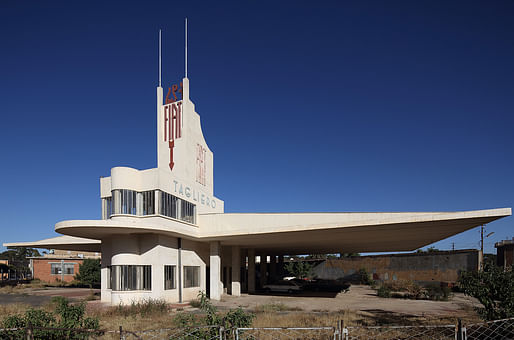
point(164, 234)
point(505, 253)
point(59, 265)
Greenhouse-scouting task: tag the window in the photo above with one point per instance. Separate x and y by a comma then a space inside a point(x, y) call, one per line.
point(69, 268)
point(107, 208)
point(56, 268)
point(191, 276)
point(175, 207)
point(188, 212)
point(169, 205)
point(169, 277)
point(128, 202)
point(148, 202)
point(128, 277)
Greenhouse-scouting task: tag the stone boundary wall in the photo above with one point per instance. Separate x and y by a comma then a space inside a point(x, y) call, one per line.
point(424, 268)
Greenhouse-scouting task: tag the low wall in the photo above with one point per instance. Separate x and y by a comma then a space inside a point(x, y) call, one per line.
point(436, 267)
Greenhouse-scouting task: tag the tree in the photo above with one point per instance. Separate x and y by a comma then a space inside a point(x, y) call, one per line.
point(19, 259)
point(494, 288)
point(89, 273)
point(300, 269)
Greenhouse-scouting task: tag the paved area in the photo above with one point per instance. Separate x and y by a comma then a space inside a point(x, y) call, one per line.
point(359, 298)
point(38, 297)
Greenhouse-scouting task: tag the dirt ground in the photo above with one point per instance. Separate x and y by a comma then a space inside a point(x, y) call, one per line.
point(38, 297)
point(359, 298)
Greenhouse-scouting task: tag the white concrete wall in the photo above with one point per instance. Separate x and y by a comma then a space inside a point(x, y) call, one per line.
point(157, 251)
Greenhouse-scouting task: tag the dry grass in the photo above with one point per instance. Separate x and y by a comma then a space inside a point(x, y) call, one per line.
point(23, 287)
point(157, 314)
point(275, 307)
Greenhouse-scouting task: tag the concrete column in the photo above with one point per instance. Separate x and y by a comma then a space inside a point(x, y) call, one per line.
point(117, 201)
point(251, 270)
point(139, 203)
point(236, 271)
point(215, 271)
point(272, 268)
point(157, 202)
point(280, 266)
point(263, 268)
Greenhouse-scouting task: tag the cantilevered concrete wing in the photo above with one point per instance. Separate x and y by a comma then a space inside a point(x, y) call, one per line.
point(61, 242)
point(300, 233)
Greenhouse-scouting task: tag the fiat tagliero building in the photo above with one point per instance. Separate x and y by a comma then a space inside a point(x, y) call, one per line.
point(163, 233)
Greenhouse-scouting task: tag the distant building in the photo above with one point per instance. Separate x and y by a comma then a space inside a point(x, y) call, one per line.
point(505, 253)
point(58, 265)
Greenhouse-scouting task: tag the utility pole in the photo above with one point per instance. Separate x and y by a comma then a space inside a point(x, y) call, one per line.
point(482, 239)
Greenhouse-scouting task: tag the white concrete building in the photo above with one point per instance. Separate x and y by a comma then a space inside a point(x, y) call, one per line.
point(165, 235)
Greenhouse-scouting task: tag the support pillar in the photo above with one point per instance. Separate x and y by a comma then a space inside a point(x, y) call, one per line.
point(251, 270)
point(272, 268)
point(263, 267)
point(215, 271)
point(281, 266)
point(236, 271)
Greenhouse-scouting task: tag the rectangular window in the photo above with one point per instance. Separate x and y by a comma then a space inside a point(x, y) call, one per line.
point(169, 205)
point(191, 276)
point(175, 207)
point(128, 202)
point(188, 212)
point(129, 277)
point(107, 209)
point(169, 277)
point(56, 268)
point(69, 268)
point(148, 202)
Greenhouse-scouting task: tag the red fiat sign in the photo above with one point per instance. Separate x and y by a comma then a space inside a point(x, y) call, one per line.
point(172, 126)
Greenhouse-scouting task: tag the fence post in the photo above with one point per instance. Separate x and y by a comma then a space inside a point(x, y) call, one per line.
point(221, 332)
point(121, 333)
point(29, 331)
point(459, 330)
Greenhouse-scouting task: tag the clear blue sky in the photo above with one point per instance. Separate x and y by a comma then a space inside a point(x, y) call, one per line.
point(307, 106)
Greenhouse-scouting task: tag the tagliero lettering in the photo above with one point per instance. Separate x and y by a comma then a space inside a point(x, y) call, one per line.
point(194, 194)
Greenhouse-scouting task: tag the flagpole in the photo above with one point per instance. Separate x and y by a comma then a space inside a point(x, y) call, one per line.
point(186, 48)
point(160, 59)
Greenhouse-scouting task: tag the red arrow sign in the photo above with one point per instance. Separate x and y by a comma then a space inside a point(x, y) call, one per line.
point(172, 145)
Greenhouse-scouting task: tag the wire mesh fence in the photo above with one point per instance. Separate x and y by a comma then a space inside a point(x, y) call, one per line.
point(491, 330)
point(497, 330)
point(284, 333)
point(446, 332)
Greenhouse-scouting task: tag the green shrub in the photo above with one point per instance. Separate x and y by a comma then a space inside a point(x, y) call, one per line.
point(299, 269)
point(65, 316)
point(494, 288)
point(232, 319)
point(384, 291)
point(89, 273)
point(364, 277)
